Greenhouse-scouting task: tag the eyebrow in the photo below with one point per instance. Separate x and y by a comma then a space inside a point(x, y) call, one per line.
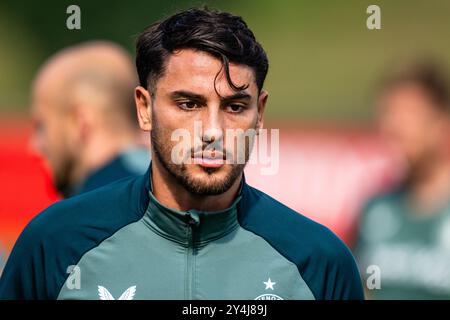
point(237, 96)
point(202, 99)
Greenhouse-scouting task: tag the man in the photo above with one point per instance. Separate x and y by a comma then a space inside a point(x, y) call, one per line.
point(190, 228)
point(84, 115)
point(405, 233)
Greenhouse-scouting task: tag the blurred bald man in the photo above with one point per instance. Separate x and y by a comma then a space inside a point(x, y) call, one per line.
point(84, 117)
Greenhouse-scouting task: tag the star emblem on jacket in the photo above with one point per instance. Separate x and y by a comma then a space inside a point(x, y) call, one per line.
point(269, 284)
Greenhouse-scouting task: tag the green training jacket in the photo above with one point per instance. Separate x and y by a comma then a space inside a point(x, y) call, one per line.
point(119, 242)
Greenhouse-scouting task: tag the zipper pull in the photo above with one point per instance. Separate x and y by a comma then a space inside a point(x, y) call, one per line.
point(194, 219)
point(192, 222)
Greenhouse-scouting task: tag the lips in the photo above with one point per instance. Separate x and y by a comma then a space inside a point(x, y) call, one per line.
point(209, 159)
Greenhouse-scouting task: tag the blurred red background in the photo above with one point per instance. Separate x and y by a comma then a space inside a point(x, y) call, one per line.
point(325, 172)
point(25, 187)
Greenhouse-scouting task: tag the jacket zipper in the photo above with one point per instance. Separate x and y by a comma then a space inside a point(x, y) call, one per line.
point(190, 260)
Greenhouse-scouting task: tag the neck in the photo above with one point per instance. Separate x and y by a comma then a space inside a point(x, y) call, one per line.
point(170, 193)
point(99, 150)
point(431, 188)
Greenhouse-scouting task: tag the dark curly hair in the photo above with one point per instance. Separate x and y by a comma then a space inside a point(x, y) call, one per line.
point(221, 34)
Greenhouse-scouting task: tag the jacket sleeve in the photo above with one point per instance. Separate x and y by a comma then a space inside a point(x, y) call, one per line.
point(344, 281)
point(24, 274)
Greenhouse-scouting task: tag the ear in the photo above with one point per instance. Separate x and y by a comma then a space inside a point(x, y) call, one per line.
point(80, 122)
point(262, 100)
point(143, 102)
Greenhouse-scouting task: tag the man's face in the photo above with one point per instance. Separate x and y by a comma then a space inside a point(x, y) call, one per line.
point(50, 135)
point(192, 93)
point(410, 123)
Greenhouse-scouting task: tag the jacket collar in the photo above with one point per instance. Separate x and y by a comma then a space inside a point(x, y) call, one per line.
point(192, 226)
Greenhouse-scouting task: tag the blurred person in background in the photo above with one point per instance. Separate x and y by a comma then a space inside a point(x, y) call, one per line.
point(85, 122)
point(2, 258)
point(405, 234)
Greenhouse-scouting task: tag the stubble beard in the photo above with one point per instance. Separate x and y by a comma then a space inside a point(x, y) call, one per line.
point(214, 186)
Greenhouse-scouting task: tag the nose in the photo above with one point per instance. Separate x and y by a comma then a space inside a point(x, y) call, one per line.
point(212, 135)
point(212, 125)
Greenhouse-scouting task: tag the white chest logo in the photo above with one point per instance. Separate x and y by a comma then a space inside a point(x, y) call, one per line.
point(104, 294)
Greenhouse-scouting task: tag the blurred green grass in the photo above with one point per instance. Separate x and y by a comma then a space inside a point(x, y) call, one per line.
point(324, 62)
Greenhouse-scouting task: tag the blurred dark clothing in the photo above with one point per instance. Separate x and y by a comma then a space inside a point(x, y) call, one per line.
point(411, 249)
point(132, 162)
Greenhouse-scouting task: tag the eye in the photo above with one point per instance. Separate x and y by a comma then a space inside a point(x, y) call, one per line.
point(235, 108)
point(187, 105)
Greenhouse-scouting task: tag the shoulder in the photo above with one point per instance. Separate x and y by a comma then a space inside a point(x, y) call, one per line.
point(379, 210)
point(380, 217)
point(58, 237)
point(106, 206)
point(318, 253)
point(385, 199)
point(272, 218)
point(130, 163)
